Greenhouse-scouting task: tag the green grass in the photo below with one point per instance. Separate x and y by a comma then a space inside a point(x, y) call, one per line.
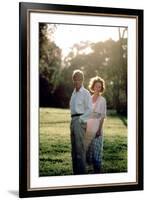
point(55, 146)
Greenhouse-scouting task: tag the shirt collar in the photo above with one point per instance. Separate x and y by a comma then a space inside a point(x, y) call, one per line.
point(80, 90)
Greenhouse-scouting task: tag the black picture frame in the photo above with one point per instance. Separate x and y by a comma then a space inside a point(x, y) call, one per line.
point(24, 98)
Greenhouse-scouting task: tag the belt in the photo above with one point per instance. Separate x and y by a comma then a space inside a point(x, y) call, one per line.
point(76, 115)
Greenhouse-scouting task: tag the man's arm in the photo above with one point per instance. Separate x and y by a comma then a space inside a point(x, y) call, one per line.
point(88, 108)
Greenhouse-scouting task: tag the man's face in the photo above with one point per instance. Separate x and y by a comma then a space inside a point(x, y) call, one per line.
point(77, 81)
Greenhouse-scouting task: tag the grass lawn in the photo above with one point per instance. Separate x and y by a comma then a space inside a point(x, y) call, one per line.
point(55, 147)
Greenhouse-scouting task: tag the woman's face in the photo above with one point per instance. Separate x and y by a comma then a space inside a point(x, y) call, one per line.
point(97, 87)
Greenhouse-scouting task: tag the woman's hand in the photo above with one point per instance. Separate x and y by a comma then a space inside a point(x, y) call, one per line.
point(98, 133)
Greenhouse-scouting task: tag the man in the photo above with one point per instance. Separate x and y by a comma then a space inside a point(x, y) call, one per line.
point(81, 108)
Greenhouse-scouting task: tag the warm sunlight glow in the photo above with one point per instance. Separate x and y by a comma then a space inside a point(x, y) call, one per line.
point(66, 36)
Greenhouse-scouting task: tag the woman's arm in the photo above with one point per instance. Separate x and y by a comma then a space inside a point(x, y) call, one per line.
point(103, 115)
point(99, 132)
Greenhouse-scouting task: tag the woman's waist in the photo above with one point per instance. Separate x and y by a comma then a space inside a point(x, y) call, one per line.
point(95, 115)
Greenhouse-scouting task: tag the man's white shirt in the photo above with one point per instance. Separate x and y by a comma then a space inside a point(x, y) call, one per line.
point(81, 103)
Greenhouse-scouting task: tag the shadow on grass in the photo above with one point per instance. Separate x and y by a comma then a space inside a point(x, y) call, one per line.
point(113, 113)
point(124, 120)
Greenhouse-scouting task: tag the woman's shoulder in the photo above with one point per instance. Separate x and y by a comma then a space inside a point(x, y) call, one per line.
point(103, 99)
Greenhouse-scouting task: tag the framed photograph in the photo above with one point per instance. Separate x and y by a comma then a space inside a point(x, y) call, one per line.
point(81, 70)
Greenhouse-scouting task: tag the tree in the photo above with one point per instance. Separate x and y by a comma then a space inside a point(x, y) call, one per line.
point(49, 64)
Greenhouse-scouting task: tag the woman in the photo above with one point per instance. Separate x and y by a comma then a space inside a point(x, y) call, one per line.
point(94, 132)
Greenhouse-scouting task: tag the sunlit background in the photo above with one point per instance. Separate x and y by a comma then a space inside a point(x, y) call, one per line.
point(97, 50)
point(66, 36)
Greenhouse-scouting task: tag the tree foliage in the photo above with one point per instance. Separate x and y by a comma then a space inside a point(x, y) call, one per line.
point(49, 64)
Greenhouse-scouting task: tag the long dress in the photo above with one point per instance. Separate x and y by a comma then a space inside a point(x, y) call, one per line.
point(94, 145)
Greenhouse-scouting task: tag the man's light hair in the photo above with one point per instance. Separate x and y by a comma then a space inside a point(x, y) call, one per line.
point(79, 73)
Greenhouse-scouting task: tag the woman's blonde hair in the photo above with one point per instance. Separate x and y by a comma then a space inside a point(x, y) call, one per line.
point(95, 80)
